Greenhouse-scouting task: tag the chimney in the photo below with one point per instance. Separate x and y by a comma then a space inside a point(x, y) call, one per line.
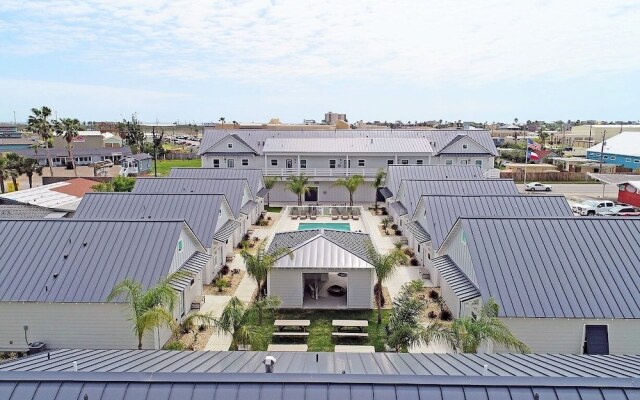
point(269, 364)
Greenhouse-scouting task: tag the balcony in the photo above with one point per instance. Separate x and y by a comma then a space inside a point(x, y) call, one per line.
point(320, 172)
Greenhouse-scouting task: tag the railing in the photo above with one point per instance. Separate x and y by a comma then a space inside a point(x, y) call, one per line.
point(366, 172)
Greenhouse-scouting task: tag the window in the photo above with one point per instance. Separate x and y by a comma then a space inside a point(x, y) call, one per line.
point(332, 163)
point(303, 164)
point(389, 162)
point(479, 163)
point(216, 163)
point(596, 339)
point(360, 163)
point(245, 162)
point(404, 162)
point(180, 246)
point(229, 145)
point(448, 162)
point(419, 162)
point(274, 163)
point(465, 146)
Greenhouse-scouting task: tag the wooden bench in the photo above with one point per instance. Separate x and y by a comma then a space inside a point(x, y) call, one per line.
point(287, 333)
point(350, 334)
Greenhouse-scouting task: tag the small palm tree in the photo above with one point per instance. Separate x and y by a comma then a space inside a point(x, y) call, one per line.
point(68, 128)
point(377, 182)
point(351, 184)
point(39, 123)
point(298, 186)
point(151, 308)
point(31, 167)
point(259, 265)
point(468, 333)
point(236, 321)
point(385, 266)
point(269, 183)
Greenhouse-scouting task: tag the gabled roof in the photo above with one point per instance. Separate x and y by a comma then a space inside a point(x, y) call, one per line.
point(560, 267)
point(356, 145)
point(396, 173)
point(412, 190)
point(442, 211)
point(69, 260)
point(462, 286)
point(253, 176)
point(199, 211)
point(353, 242)
point(624, 143)
point(232, 189)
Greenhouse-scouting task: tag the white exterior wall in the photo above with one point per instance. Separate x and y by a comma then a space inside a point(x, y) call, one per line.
point(83, 325)
point(559, 335)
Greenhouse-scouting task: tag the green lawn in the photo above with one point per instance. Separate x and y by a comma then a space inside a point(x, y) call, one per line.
point(273, 209)
point(319, 338)
point(164, 166)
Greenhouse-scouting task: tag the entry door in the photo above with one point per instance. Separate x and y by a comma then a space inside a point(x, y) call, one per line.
point(289, 163)
point(312, 194)
point(596, 339)
point(231, 163)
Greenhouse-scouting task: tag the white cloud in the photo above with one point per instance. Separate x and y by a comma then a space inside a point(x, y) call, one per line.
point(467, 41)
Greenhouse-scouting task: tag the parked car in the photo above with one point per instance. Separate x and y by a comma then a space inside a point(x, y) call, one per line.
point(537, 187)
point(621, 210)
point(591, 207)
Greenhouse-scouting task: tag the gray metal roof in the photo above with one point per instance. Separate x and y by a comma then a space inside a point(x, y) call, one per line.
point(398, 207)
point(249, 362)
point(199, 211)
point(418, 231)
point(442, 211)
point(412, 190)
point(233, 189)
point(248, 207)
point(256, 138)
point(360, 145)
point(68, 260)
point(455, 278)
point(226, 230)
point(253, 176)
point(354, 242)
point(23, 211)
point(192, 266)
point(130, 386)
point(397, 173)
point(557, 266)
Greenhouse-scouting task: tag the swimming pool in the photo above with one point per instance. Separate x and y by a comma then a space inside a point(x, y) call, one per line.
point(305, 226)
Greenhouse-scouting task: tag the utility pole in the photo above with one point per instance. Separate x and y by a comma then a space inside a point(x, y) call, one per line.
point(604, 135)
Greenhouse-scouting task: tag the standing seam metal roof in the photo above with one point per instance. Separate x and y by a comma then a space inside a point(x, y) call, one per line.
point(397, 173)
point(253, 176)
point(199, 211)
point(589, 267)
point(68, 260)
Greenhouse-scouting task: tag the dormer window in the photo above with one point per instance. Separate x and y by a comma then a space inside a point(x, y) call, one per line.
point(229, 145)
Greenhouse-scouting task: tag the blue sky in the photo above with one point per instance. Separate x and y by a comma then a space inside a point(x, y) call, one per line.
point(252, 60)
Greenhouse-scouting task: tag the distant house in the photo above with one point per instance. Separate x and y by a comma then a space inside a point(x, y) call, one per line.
point(57, 273)
point(436, 214)
point(208, 215)
point(63, 196)
point(629, 193)
point(136, 164)
point(562, 285)
point(327, 269)
point(622, 149)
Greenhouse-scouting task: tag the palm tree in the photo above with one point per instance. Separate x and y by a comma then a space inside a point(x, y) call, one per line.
point(151, 308)
point(236, 321)
point(68, 128)
point(30, 167)
point(385, 266)
point(14, 167)
point(38, 123)
point(4, 173)
point(468, 333)
point(351, 184)
point(269, 183)
point(377, 182)
point(259, 265)
point(298, 186)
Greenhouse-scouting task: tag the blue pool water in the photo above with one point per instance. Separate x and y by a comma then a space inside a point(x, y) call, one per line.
point(305, 226)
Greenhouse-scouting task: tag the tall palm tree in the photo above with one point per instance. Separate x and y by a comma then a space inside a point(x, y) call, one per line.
point(351, 184)
point(68, 128)
point(377, 182)
point(384, 266)
point(259, 265)
point(30, 167)
point(236, 321)
point(298, 186)
point(468, 333)
point(151, 308)
point(269, 183)
point(14, 168)
point(39, 123)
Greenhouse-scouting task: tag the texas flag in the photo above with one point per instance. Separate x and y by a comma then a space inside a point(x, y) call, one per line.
point(533, 156)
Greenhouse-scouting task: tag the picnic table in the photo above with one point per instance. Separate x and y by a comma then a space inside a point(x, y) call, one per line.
point(287, 347)
point(354, 349)
point(350, 323)
point(302, 324)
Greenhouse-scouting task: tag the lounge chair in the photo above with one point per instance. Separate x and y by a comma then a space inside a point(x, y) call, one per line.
point(334, 214)
point(294, 213)
point(303, 214)
point(314, 214)
point(345, 215)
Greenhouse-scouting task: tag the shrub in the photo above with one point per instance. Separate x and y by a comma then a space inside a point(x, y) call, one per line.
point(433, 295)
point(174, 345)
point(375, 293)
point(414, 261)
point(432, 315)
point(446, 315)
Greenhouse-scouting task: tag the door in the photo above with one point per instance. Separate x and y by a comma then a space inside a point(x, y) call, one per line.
point(312, 194)
point(289, 163)
point(596, 339)
point(231, 163)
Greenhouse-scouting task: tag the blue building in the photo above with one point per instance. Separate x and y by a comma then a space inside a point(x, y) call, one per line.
point(622, 149)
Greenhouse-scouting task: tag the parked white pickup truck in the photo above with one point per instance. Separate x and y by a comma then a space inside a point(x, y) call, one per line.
point(591, 207)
